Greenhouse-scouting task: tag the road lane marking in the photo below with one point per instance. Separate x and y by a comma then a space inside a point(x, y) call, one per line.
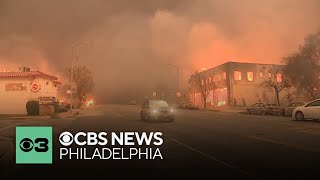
point(213, 158)
point(311, 131)
point(11, 126)
point(119, 115)
point(17, 124)
point(262, 139)
point(133, 110)
point(295, 146)
point(5, 138)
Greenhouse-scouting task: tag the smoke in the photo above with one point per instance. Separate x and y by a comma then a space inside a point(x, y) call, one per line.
point(131, 43)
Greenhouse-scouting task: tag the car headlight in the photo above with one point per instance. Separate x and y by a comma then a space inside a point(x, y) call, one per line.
point(154, 111)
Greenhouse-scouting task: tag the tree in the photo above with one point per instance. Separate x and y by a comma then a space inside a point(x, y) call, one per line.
point(303, 67)
point(83, 79)
point(274, 79)
point(202, 84)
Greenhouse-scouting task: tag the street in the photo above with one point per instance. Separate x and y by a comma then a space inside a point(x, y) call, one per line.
point(229, 144)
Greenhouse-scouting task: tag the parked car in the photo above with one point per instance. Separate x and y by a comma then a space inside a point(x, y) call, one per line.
point(188, 106)
point(156, 109)
point(133, 102)
point(310, 110)
point(287, 111)
point(264, 109)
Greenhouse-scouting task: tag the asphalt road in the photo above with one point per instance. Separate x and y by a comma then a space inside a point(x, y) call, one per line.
point(210, 143)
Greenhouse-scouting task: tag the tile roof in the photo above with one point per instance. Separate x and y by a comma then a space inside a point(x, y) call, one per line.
point(27, 74)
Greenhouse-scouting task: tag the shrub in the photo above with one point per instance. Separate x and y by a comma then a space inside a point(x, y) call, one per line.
point(58, 108)
point(33, 107)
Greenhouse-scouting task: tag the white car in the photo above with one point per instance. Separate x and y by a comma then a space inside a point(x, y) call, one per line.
point(310, 110)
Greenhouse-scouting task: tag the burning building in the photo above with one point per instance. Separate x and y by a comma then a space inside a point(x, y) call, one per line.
point(17, 88)
point(241, 84)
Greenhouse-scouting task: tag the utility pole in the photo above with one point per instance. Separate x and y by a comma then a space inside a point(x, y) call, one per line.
point(72, 71)
point(178, 83)
point(71, 80)
point(178, 93)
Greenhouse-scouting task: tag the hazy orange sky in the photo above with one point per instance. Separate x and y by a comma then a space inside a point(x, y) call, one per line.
point(129, 39)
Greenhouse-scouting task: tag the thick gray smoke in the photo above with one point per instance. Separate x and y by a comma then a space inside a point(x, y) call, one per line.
point(131, 43)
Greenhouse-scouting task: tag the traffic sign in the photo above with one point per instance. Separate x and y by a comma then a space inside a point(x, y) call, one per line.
point(35, 86)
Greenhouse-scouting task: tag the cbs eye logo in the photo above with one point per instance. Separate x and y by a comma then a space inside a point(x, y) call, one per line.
point(39, 145)
point(66, 138)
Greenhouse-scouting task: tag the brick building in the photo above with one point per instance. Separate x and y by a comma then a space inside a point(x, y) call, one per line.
point(240, 84)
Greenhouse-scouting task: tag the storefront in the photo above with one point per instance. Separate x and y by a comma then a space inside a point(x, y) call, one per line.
point(17, 88)
point(217, 97)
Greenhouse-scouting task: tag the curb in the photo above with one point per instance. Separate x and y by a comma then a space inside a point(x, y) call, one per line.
point(68, 115)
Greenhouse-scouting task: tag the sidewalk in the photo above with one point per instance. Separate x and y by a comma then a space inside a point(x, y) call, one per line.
point(90, 112)
point(230, 109)
point(81, 113)
point(22, 117)
point(68, 114)
point(32, 117)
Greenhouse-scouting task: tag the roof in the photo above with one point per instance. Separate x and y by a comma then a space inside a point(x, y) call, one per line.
point(234, 62)
point(26, 74)
point(254, 63)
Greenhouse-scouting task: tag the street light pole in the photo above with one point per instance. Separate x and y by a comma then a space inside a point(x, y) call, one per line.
point(72, 72)
point(71, 80)
point(178, 83)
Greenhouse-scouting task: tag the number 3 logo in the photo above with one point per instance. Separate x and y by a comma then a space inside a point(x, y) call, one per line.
point(40, 145)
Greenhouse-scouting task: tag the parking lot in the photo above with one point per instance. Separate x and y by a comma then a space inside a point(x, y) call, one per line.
point(253, 145)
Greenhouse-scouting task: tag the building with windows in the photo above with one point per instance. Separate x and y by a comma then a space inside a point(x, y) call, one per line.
point(240, 84)
point(17, 88)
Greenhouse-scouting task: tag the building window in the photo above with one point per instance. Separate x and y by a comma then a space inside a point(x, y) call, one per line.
point(224, 75)
point(210, 79)
point(279, 77)
point(261, 74)
point(47, 83)
point(218, 77)
point(202, 82)
point(237, 75)
point(250, 76)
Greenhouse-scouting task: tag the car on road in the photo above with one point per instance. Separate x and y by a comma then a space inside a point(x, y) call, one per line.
point(188, 106)
point(157, 109)
point(310, 110)
point(264, 109)
point(133, 102)
point(287, 111)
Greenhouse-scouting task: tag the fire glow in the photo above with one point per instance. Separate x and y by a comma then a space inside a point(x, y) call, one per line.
point(90, 103)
